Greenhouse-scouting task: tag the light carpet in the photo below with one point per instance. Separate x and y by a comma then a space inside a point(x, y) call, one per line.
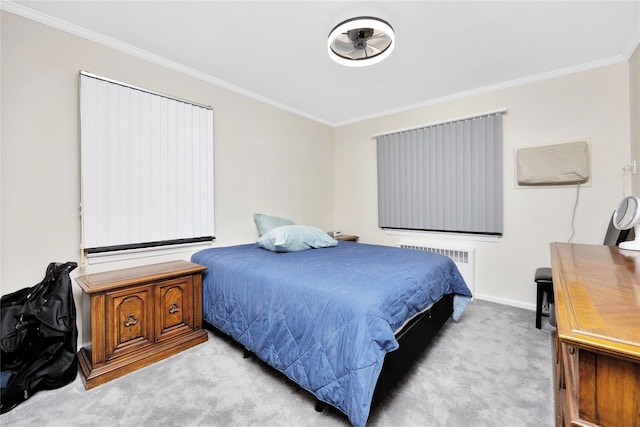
point(491, 368)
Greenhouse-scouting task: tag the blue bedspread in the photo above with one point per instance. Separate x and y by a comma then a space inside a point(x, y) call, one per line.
point(325, 317)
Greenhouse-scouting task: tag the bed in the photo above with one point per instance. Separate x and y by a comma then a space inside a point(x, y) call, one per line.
point(327, 318)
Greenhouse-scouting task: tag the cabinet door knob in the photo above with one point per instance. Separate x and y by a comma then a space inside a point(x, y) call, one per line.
point(130, 320)
point(174, 308)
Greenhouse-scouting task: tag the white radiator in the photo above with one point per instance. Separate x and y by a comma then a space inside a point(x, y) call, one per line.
point(462, 256)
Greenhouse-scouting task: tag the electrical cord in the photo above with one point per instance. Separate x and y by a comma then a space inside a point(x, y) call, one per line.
point(573, 215)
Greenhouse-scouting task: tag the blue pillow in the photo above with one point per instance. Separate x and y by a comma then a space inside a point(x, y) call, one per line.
point(266, 223)
point(291, 238)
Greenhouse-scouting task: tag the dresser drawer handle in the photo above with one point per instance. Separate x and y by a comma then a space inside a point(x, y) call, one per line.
point(130, 320)
point(174, 308)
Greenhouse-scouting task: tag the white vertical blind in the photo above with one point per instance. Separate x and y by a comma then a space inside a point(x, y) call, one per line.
point(446, 177)
point(146, 166)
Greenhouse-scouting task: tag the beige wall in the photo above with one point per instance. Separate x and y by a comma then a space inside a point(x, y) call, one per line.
point(266, 159)
point(273, 161)
point(591, 104)
point(634, 90)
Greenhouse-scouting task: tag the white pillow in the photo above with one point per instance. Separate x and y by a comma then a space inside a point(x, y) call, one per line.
point(292, 238)
point(266, 223)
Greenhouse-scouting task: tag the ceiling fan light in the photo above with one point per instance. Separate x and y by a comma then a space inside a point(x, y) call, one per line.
point(348, 41)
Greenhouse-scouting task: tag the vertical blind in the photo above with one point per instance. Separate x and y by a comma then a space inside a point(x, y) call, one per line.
point(445, 177)
point(146, 167)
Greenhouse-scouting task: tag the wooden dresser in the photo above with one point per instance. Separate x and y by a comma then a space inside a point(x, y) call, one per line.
point(136, 316)
point(596, 348)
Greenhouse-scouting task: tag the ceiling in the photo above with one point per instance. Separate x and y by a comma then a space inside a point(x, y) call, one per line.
point(276, 51)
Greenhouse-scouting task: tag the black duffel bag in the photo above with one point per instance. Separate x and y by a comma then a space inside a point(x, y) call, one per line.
point(38, 337)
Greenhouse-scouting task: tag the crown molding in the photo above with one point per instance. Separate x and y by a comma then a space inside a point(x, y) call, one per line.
point(25, 12)
point(492, 88)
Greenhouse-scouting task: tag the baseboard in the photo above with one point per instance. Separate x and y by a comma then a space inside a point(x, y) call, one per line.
point(505, 301)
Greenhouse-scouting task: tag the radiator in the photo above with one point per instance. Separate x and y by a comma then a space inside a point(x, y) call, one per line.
point(461, 256)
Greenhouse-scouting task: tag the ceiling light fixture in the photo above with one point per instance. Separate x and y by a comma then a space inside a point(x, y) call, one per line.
point(361, 41)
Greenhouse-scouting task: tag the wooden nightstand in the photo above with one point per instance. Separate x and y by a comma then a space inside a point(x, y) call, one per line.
point(137, 316)
point(346, 237)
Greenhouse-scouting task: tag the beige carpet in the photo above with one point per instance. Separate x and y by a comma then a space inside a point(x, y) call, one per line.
point(492, 368)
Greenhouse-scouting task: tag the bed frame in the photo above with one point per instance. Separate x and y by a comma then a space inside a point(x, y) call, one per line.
point(413, 338)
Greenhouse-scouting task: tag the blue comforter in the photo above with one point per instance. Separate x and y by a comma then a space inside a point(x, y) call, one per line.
point(325, 317)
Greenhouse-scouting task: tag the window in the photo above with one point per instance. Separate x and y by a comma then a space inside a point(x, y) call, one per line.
point(445, 177)
point(146, 168)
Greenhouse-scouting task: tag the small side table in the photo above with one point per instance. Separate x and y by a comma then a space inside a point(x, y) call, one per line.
point(347, 238)
point(136, 316)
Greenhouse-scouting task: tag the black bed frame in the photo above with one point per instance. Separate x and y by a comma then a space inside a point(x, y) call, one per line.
point(413, 338)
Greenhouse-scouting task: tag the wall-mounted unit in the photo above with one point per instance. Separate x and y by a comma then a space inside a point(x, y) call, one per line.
point(553, 164)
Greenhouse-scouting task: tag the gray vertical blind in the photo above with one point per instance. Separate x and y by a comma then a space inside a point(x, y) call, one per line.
point(146, 168)
point(446, 177)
